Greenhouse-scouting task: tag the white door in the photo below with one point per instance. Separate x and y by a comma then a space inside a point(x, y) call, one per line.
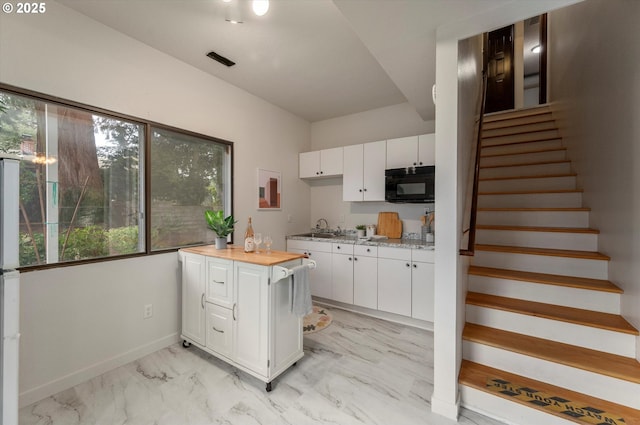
point(365, 281)
point(251, 316)
point(10, 342)
point(394, 286)
point(422, 284)
point(193, 293)
point(342, 278)
point(352, 178)
point(375, 158)
point(331, 162)
point(309, 163)
point(402, 152)
point(427, 149)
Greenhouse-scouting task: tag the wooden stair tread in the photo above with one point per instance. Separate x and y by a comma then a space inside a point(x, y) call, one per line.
point(587, 255)
point(515, 121)
point(486, 140)
point(608, 364)
point(516, 113)
point(547, 279)
point(526, 164)
point(537, 176)
point(538, 229)
point(522, 153)
point(594, 319)
point(475, 375)
point(530, 192)
point(548, 209)
point(542, 124)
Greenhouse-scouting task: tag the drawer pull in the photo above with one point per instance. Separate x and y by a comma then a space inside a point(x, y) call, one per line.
point(217, 330)
point(202, 300)
point(220, 282)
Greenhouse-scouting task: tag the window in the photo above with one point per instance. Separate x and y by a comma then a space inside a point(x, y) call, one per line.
point(188, 176)
point(83, 186)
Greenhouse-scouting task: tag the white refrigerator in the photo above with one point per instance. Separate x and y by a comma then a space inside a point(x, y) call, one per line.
point(9, 288)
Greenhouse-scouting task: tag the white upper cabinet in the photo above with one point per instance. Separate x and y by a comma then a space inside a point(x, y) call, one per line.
point(411, 151)
point(323, 163)
point(364, 167)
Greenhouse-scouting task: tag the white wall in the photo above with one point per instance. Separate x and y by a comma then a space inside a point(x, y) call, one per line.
point(370, 126)
point(65, 54)
point(594, 83)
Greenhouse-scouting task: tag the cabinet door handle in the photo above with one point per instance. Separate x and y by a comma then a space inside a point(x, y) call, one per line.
point(415, 163)
point(233, 311)
point(365, 189)
point(338, 247)
point(368, 250)
point(309, 254)
point(321, 172)
point(420, 162)
point(360, 190)
point(349, 258)
point(408, 265)
point(415, 266)
point(217, 330)
point(355, 258)
point(317, 173)
point(202, 300)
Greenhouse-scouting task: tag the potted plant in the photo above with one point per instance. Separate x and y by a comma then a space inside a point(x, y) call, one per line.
point(221, 225)
point(361, 229)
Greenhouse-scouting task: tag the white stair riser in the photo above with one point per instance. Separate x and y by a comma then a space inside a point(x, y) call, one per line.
point(533, 183)
point(524, 137)
point(508, 118)
point(511, 129)
point(552, 240)
point(605, 302)
point(526, 170)
point(617, 343)
point(595, 269)
point(522, 158)
point(506, 410)
point(585, 382)
point(531, 200)
point(535, 218)
point(522, 148)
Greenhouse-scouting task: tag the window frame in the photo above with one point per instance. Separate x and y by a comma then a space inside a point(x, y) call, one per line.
point(145, 172)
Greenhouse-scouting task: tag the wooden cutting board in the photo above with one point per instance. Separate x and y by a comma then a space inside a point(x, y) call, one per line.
point(389, 225)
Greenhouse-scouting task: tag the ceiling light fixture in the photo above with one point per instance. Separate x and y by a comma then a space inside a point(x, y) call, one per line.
point(536, 49)
point(260, 7)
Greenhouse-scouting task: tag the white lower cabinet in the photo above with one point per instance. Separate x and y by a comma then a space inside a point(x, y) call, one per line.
point(394, 280)
point(422, 284)
point(238, 312)
point(365, 276)
point(320, 277)
point(342, 273)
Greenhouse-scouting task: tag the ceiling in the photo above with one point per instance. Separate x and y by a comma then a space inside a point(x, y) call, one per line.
point(318, 59)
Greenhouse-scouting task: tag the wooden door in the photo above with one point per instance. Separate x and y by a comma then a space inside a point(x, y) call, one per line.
point(499, 66)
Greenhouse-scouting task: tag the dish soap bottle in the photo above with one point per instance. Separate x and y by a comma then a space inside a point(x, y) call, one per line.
point(249, 245)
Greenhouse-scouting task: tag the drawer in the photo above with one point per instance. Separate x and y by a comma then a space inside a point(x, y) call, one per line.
point(365, 250)
point(219, 281)
point(342, 248)
point(309, 245)
point(394, 253)
point(219, 327)
point(423, 255)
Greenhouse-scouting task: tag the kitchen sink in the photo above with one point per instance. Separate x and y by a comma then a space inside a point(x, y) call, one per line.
point(317, 235)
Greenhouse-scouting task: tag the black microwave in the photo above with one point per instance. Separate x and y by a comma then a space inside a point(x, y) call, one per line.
point(410, 185)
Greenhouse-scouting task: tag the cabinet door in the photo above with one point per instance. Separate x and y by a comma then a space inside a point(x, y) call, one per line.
point(320, 277)
point(427, 149)
point(365, 281)
point(219, 329)
point(342, 278)
point(352, 183)
point(394, 286)
point(193, 292)
point(402, 152)
point(422, 285)
point(251, 316)
point(309, 163)
point(331, 162)
point(219, 288)
point(374, 156)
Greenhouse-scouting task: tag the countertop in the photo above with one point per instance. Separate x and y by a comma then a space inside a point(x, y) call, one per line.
point(393, 243)
point(236, 253)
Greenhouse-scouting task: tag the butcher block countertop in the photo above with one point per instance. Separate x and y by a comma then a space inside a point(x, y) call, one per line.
point(236, 253)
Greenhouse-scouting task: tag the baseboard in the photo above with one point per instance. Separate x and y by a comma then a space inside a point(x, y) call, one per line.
point(391, 317)
point(445, 408)
point(65, 382)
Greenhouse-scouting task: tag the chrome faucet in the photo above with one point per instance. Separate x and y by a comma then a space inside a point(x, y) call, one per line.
point(326, 224)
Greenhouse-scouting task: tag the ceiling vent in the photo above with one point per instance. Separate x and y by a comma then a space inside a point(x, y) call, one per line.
point(216, 57)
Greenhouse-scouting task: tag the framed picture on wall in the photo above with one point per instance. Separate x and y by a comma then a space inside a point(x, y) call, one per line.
point(269, 189)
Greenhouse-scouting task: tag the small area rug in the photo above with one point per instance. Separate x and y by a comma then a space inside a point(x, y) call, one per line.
point(317, 320)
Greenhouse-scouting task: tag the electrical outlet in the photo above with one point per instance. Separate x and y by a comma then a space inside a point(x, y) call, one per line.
point(148, 311)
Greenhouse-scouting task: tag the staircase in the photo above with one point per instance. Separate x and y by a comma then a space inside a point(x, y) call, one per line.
point(544, 341)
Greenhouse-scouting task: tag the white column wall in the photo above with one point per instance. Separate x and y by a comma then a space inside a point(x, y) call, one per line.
point(80, 321)
point(594, 84)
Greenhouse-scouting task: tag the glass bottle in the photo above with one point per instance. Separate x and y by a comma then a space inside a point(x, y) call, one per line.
point(249, 245)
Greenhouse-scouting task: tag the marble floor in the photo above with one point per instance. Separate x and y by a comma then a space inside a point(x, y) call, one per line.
point(359, 370)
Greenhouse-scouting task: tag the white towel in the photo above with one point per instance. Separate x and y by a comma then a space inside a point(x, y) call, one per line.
point(301, 290)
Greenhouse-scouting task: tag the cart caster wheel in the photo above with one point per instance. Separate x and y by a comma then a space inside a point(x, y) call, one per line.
point(268, 388)
point(186, 344)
